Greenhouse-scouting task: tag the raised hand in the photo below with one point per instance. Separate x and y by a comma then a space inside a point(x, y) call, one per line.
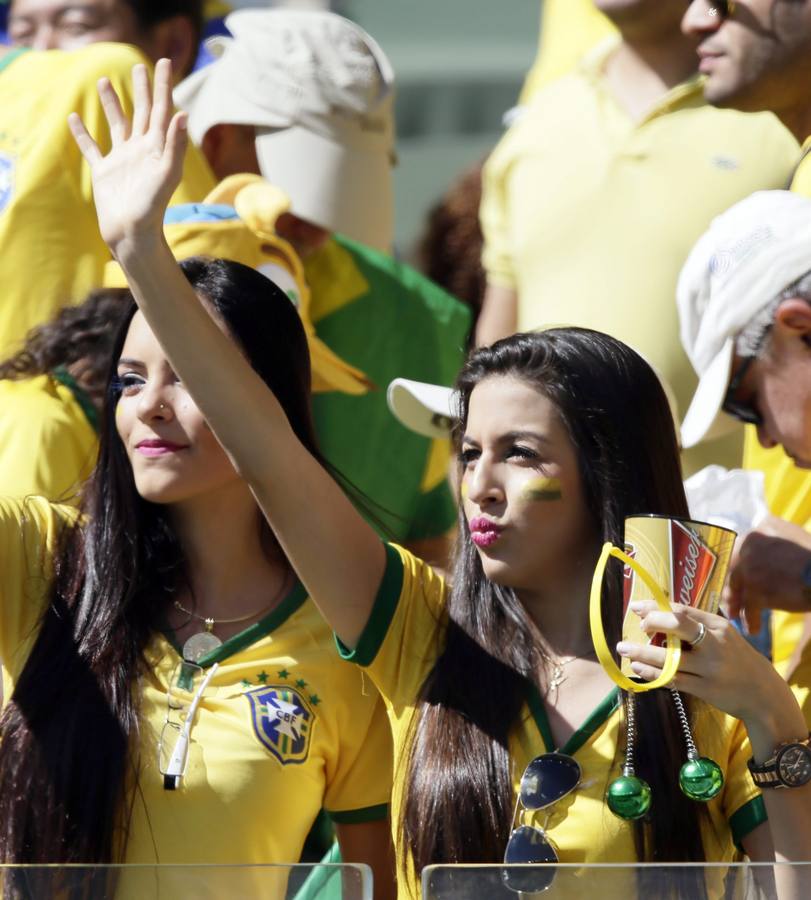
point(132, 184)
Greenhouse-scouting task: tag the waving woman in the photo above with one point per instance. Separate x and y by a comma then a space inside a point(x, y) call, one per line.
point(175, 695)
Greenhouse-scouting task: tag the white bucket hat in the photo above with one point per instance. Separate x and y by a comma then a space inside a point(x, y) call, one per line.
point(319, 91)
point(749, 254)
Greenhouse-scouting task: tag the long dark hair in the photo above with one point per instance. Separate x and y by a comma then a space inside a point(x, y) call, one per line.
point(459, 797)
point(69, 733)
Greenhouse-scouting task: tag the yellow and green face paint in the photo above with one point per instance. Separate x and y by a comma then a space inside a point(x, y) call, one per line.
point(541, 488)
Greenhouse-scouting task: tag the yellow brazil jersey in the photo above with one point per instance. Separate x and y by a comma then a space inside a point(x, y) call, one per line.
point(583, 212)
point(53, 253)
point(283, 729)
point(788, 495)
point(400, 645)
point(48, 441)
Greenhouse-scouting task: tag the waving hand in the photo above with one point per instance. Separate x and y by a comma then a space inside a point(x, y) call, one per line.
point(132, 184)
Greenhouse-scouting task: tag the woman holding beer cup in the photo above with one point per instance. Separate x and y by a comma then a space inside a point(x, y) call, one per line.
point(561, 436)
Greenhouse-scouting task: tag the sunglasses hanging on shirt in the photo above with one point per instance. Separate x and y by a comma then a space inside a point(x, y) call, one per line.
point(546, 780)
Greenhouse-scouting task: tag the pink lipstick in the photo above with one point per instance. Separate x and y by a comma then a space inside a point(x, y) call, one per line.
point(483, 531)
point(157, 447)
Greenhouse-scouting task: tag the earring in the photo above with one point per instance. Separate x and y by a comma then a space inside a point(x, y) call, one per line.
point(700, 778)
point(629, 797)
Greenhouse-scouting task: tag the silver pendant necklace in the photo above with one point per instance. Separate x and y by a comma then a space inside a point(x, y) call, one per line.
point(203, 642)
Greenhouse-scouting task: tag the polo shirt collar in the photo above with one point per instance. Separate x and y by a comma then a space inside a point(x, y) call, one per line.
point(688, 93)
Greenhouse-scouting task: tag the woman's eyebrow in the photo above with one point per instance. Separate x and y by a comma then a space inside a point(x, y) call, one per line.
point(524, 435)
point(512, 436)
point(133, 363)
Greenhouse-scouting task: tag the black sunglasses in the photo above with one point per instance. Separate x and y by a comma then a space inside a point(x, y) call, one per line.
point(546, 780)
point(744, 411)
point(741, 411)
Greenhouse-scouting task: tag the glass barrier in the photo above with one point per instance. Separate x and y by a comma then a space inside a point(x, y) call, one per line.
point(192, 882)
point(573, 881)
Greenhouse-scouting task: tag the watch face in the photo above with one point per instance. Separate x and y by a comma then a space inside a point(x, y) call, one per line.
point(794, 765)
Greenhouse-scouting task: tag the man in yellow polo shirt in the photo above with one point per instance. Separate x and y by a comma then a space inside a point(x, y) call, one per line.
point(757, 56)
point(593, 199)
point(744, 300)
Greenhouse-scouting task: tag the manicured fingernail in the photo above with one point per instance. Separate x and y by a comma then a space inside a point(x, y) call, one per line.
point(636, 606)
point(637, 667)
point(623, 648)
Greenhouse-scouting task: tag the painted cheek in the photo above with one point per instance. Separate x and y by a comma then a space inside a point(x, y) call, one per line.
point(541, 489)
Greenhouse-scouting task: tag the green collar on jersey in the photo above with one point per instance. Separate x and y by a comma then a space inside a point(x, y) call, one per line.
point(597, 718)
point(253, 633)
point(61, 374)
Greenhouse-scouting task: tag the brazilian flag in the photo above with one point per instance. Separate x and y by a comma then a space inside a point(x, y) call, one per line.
point(389, 321)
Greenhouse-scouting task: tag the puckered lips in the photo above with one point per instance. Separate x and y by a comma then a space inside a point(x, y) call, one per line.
point(484, 532)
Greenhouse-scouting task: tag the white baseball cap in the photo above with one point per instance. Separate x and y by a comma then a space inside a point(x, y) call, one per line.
point(427, 409)
point(320, 93)
point(749, 254)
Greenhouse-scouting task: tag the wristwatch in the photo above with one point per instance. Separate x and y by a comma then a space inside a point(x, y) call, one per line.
point(790, 766)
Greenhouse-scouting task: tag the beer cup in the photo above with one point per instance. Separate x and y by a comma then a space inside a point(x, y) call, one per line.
point(667, 560)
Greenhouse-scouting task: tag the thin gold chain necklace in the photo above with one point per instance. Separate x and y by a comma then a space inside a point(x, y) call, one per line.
point(558, 675)
point(205, 641)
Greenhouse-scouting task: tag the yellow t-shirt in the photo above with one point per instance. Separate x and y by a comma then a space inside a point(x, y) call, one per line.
point(53, 253)
point(584, 213)
point(569, 28)
point(400, 645)
point(284, 729)
point(788, 495)
point(47, 443)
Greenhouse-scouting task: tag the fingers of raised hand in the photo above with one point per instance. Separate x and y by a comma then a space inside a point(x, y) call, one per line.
point(176, 137)
point(162, 108)
point(119, 124)
point(87, 146)
point(142, 98)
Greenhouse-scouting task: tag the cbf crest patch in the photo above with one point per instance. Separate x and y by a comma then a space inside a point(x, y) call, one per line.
point(283, 722)
point(6, 180)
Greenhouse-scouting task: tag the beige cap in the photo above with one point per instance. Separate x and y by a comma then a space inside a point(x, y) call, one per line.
point(319, 91)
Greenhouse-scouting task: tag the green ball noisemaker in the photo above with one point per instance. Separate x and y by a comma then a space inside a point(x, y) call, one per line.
point(700, 778)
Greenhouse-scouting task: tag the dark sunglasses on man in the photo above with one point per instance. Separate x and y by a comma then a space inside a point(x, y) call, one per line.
point(738, 409)
point(546, 780)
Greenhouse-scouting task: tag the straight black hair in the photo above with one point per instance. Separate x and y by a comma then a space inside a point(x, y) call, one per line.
point(459, 797)
point(69, 733)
